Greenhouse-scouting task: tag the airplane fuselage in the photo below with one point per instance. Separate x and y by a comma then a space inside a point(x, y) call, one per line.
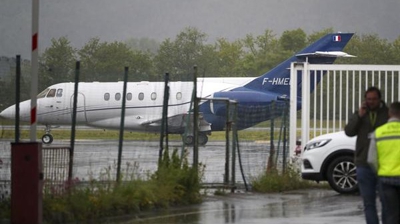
point(99, 104)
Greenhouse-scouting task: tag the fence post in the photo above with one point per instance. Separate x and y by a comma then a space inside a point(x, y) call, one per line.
point(270, 164)
point(195, 121)
point(73, 129)
point(234, 140)
point(227, 142)
point(122, 125)
point(164, 119)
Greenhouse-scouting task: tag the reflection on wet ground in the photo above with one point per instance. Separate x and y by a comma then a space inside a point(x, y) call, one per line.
point(295, 207)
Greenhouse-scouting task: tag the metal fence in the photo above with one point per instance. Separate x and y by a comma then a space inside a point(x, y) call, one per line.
point(56, 167)
point(96, 160)
point(339, 92)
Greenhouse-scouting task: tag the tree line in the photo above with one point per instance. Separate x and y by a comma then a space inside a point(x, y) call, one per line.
point(149, 60)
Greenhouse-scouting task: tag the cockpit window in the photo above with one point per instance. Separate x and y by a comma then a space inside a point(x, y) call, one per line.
point(52, 93)
point(59, 92)
point(43, 93)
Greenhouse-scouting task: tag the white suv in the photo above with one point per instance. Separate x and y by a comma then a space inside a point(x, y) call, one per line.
point(330, 158)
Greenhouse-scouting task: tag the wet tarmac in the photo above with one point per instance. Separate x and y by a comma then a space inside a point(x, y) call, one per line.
point(93, 158)
point(315, 206)
point(306, 206)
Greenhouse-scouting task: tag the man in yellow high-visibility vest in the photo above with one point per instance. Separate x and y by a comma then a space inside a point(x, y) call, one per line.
point(384, 157)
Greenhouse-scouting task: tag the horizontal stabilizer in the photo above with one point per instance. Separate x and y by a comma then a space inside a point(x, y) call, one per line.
point(338, 54)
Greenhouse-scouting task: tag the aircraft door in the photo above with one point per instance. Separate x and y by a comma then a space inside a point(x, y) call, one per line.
point(80, 109)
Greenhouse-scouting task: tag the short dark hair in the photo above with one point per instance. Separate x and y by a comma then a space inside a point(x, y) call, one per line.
point(395, 108)
point(373, 89)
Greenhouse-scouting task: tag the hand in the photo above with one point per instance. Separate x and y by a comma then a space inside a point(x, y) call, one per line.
point(363, 109)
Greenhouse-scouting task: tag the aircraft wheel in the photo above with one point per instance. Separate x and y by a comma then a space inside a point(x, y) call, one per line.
point(47, 138)
point(188, 139)
point(203, 138)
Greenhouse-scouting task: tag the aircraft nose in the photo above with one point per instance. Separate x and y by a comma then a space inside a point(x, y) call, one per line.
point(8, 113)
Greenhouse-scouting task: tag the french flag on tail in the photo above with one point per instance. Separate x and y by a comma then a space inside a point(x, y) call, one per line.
point(337, 38)
point(323, 51)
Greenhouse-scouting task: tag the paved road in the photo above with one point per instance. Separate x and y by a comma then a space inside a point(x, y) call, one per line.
point(92, 158)
point(314, 206)
point(296, 207)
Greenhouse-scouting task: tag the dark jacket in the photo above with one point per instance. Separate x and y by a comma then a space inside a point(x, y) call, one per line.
point(362, 127)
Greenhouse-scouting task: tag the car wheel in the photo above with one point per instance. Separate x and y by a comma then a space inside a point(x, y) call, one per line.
point(341, 175)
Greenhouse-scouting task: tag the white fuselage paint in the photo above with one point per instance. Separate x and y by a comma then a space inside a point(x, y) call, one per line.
point(93, 110)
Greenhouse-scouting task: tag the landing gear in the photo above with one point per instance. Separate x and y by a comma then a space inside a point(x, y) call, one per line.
point(203, 138)
point(189, 139)
point(47, 138)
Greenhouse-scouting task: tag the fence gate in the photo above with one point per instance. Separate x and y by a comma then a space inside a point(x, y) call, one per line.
point(331, 93)
point(56, 163)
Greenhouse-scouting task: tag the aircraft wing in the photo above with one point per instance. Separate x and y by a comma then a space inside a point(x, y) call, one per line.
point(179, 122)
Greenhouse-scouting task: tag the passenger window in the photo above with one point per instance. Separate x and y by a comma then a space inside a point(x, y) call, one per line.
point(59, 93)
point(117, 96)
point(141, 96)
point(129, 96)
point(178, 95)
point(153, 96)
point(52, 93)
point(106, 96)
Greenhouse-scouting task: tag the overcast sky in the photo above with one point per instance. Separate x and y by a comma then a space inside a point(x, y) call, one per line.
point(119, 20)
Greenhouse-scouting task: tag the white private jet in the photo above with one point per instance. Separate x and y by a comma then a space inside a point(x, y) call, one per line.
point(99, 103)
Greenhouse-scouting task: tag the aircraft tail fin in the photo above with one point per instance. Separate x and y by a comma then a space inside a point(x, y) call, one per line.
point(323, 51)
